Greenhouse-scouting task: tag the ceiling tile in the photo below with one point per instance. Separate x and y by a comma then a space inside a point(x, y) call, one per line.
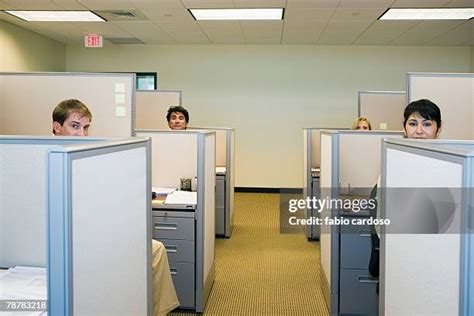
point(365, 3)
point(425, 32)
point(419, 3)
point(146, 31)
point(107, 4)
point(223, 32)
point(168, 15)
point(461, 35)
point(298, 14)
point(32, 4)
point(312, 3)
point(184, 32)
point(336, 38)
point(302, 32)
point(259, 3)
point(351, 27)
point(461, 4)
point(217, 4)
point(394, 24)
point(69, 5)
point(262, 32)
point(347, 14)
point(157, 4)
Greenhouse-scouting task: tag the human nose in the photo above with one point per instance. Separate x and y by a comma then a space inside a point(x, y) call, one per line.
point(419, 129)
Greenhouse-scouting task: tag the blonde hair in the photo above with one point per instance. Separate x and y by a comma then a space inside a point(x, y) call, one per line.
point(361, 119)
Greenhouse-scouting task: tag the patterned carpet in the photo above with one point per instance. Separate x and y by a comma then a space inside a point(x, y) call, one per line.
point(262, 272)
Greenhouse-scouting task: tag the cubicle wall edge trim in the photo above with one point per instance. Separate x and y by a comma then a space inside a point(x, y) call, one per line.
point(72, 73)
point(424, 145)
point(200, 221)
point(59, 285)
point(228, 179)
point(133, 101)
point(149, 222)
point(381, 206)
point(335, 229)
point(465, 258)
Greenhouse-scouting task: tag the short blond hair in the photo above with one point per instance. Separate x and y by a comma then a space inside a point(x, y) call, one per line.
point(361, 119)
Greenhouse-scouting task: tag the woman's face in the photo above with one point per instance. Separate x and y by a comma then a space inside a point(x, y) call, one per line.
point(421, 128)
point(363, 125)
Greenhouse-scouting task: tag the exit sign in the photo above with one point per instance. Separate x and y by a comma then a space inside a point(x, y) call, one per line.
point(93, 40)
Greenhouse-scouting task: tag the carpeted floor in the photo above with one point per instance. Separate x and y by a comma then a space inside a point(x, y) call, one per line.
point(262, 272)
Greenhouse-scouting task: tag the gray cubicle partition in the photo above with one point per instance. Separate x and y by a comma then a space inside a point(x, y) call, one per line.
point(350, 167)
point(152, 105)
point(311, 172)
point(453, 93)
point(27, 101)
point(176, 155)
point(225, 178)
point(384, 109)
point(91, 233)
point(427, 269)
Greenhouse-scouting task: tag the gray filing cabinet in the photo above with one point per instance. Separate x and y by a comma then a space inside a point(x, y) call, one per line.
point(176, 229)
point(357, 289)
point(220, 205)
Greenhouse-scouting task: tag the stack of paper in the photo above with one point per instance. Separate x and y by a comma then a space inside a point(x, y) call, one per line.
point(181, 197)
point(160, 190)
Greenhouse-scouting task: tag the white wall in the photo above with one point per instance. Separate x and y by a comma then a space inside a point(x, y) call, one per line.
point(472, 58)
point(270, 92)
point(23, 50)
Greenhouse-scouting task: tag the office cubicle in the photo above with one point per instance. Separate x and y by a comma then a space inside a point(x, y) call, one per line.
point(427, 250)
point(152, 105)
point(90, 232)
point(311, 172)
point(384, 109)
point(350, 167)
point(27, 101)
point(177, 155)
point(453, 93)
point(225, 178)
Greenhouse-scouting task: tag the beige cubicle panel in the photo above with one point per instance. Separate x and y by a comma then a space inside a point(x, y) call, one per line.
point(27, 101)
point(384, 109)
point(453, 93)
point(151, 107)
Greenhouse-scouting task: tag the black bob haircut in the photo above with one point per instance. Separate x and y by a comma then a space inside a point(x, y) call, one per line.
point(427, 110)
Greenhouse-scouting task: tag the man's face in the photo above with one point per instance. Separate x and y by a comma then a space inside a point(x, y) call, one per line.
point(74, 125)
point(177, 121)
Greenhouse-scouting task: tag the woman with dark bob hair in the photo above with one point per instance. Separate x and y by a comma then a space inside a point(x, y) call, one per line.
point(422, 120)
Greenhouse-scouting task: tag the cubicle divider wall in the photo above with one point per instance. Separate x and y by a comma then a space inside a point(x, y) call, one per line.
point(453, 93)
point(225, 178)
point(91, 233)
point(186, 228)
point(152, 106)
point(384, 109)
point(350, 167)
point(427, 258)
point(27, 101)
point(311, 172)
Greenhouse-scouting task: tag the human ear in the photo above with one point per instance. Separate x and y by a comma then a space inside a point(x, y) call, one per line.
point(57, 127)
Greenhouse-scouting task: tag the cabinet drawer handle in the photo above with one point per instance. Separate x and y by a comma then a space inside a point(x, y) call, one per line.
point(365, 279)
point(166, 226)
point(173, 271)
point(171, 249)
point(364, 233)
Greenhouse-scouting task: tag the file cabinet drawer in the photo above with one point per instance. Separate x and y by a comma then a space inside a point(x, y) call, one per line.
point(355, 246)
point(358, 293)
point(167, 227)
point(220, 184)
point(179, 250)
point(183, 280)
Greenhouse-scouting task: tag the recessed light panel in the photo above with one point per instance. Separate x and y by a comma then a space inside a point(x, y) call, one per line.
point(237, 14)
point(429, 14)
point(57, 16)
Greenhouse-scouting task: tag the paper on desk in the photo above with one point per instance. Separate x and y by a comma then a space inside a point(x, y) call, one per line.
point(220, 170)
point(162, 190)
point(181, 197)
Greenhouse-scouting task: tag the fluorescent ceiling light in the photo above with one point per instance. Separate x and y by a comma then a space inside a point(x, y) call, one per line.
point(237, 14)
point(57, 16)
point(429, 14)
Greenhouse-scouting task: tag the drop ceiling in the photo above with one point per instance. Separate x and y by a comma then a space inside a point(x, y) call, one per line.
point(313, 22)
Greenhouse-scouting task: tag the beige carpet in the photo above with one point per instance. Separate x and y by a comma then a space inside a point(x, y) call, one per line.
point(262, 272)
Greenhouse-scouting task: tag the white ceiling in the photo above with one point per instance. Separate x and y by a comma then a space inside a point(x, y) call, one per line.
point(328, 22)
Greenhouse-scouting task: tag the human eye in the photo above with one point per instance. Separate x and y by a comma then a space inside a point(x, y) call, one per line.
point(75, 126)
point(412, 123)
point(427, 124)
